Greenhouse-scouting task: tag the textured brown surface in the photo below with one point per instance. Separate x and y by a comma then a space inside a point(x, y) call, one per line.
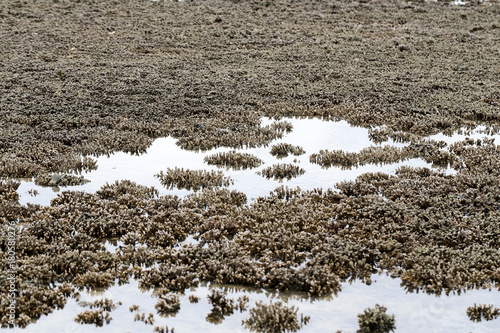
point(99, 76)
point(92, 77)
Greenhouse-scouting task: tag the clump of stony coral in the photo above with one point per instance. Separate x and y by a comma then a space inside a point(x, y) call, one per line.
point(376, 320)
point(478, 312)
point(274, 317)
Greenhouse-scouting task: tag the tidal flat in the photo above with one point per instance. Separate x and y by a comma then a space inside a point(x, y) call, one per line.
point(172, 164)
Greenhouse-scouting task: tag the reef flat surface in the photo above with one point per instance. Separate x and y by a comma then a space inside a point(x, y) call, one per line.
point(81, 80)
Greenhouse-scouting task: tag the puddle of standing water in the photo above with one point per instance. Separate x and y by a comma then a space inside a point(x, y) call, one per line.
point(421, 312)
point(413, 312)
point(478, 133)
point(311, 134)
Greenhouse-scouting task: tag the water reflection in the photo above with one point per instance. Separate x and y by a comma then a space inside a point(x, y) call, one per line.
point(312, 134)
point(413, 312)
point(422, 312)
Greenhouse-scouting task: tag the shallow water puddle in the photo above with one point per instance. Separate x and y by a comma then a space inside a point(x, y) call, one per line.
point(311, 134)
point(413, 312)
point(478, 133)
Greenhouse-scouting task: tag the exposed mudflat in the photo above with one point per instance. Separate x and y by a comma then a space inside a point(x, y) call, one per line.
point(80, 80)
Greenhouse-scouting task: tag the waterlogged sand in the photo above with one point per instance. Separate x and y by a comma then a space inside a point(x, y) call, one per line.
point(173, 82)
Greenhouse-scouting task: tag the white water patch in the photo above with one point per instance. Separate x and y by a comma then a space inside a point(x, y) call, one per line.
point(478, 133)
point(315, 134)
point(458, 3)
point(111, 246)
point(312, 134)
point(189, 241)
point(413, 312)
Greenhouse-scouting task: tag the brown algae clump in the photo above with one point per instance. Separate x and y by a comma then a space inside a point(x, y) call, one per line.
point(234, 160)
point(281, 171)
point(376, 320)
point(192, 179)
point(275, 317)
point(478, 312)
point(284, 149)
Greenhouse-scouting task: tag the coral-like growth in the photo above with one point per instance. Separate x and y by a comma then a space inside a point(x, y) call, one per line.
point(376, 320)
point(97, 317)
point(281, 171)
point(118, 92)
point(275, 317)
point(149, 320)
point(242, 302)
point(168, 304)
point(234, 160)
point(428, 150)
point(105, 304)
point(192, 179)
point(194, 298)
point(163, 329)
point(284, 149)
point(478, 312)
point(221, 306)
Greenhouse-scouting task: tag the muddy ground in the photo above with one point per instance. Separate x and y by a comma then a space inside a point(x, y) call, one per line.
point(83, 78)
